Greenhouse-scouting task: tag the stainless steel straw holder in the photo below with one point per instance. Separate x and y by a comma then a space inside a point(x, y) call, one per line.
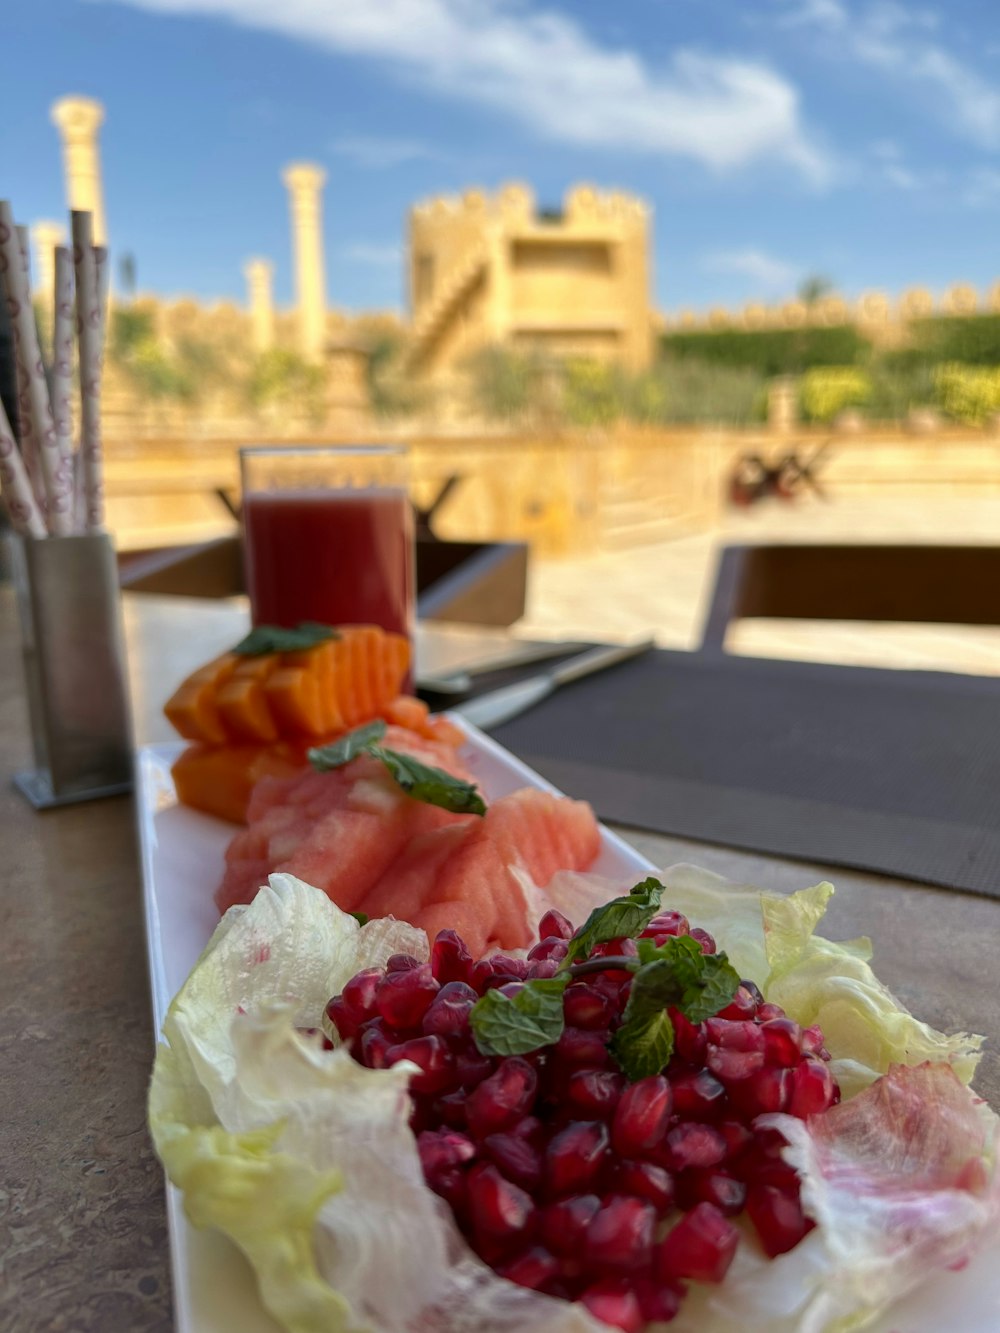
point(74, 665)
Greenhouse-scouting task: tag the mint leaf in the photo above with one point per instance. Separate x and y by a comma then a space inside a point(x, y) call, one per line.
point(624, 917)
point(431, 785)
point(708, 988)
point(362, 918)
point(338, 753)
point(276, 639)
point(642, 1046)
point(514, 1025)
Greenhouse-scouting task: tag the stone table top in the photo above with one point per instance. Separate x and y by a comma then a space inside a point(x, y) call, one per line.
point(83, 1239)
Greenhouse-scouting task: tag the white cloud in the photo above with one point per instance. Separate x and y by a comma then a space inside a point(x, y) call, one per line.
point(540, 67)
point(366, 252)
point(767, 275)
point(379, 153)
point(897, 41)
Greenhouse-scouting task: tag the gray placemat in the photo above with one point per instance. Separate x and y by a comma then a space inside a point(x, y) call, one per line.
point(892, 771)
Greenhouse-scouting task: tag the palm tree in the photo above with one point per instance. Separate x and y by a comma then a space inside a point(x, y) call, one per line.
point(814, 288)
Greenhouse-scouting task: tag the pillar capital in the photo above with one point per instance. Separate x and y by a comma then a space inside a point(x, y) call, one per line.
point(257, 270)
point(303, 177)
point(78, 117)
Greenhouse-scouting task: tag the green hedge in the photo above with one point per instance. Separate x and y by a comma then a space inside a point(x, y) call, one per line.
point(973, 340)
point(770, 351)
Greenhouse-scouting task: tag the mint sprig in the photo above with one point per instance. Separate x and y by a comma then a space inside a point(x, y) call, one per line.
point(620, 918)
point(424, 783)
point(516, 1024)
point(277, 639)
point(672, 975)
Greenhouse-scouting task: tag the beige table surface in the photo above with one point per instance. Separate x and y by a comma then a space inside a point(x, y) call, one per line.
point(83, 1241)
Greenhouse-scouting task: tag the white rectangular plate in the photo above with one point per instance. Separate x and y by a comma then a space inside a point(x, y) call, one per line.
point(182, 862)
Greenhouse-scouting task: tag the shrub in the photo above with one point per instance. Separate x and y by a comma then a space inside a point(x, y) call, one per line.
point(282, 378)
point(770, 351)
point(594, 394)
point(827, 390)
point(968, 393)
point(505, 385)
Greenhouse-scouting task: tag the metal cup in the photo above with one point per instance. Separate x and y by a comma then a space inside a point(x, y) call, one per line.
point(74, 665)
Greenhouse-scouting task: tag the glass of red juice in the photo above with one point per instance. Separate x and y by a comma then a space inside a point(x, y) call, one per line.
point(328, 536)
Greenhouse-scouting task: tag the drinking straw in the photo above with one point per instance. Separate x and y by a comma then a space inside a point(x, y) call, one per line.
point(38, 433)
point(62, 361)
point(88, 325)
point(24, 512)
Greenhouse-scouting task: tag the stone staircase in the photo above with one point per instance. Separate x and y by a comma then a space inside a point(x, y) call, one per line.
point(454, 287)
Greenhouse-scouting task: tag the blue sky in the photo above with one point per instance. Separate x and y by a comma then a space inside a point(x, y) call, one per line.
point(859, 139)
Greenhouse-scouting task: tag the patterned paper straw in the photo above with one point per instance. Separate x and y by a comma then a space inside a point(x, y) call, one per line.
point(88, 327)
point(62, 362)
point(24, 512)
point(34, 410)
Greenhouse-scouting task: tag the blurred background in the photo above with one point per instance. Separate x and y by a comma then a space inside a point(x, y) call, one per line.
point(643, 278)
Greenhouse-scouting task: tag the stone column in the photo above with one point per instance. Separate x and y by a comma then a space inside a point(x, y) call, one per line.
point(46, 236)
point(78, 120)
point(304, 181)
point(258, 273)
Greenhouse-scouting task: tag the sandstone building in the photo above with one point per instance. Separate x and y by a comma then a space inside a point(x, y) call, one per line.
point(491, 269)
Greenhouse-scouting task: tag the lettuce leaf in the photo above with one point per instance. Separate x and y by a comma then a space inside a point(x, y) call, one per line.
point(307, 1162)
point(305, 1158)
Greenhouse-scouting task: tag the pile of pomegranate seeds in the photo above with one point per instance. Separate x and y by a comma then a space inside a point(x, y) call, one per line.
point(564, 1176)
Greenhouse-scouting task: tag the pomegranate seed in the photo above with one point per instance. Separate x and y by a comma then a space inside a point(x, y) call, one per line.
point(698, 1094)
point(471, 1066)
point(481, 973)
point(813, 1089)
point(503, 1098)
point(782, 1042)
point(575, 1156)
point(448, 1013)
point(450, 959)
point(616, 1304)
point(642, 1116)
point(498, 1208)
point(554, 923)
point(437, 1068)
point(690, 1041)
point(743, 1005)
point(358, 994)
point(585, 1007)
point(700, 1247)
point(646, 1181)
point(554, 948)
point(535, 1268)
point(777, 1217)
point(375, 1044)
point(766, 1090)
point(451, 1110)
point(690, 1144)
point(514, 968)
point(563, 1225)
point(812, 1041)
point(545, 968)
point(734, 1036)
point(576, 1047)
point(530, 1128)
point(704, 939)
point(765, 1012)
point(620, 1237)
point(516, 1157)
point(666, 923)
point(738, 1137)
point(342, 1018)
point(731, 1066)
point(450, 1185)
point(658, 1302)
point(594, 1093)
point(402, 962)
point(402, 997)
point(442, 1150)
point(719, 1188)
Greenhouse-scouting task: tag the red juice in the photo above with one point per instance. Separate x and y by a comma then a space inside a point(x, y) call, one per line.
point(339, 557)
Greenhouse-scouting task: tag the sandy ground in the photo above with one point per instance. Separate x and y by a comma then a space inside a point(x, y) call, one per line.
point(665, 589)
